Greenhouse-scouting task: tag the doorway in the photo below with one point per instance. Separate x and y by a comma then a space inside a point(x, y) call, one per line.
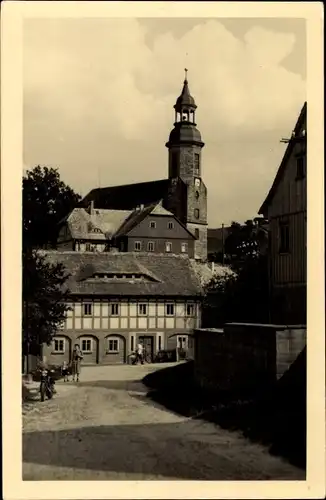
point(148, 343)
point(182, 347)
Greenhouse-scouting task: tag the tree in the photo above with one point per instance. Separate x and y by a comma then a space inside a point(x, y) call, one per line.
point(46, 201)
point(243, 296)
point(244, 241)
point(240, 297)
point(45, 295)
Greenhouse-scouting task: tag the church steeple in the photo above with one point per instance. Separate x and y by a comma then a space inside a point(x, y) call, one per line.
point(188, 196)
point(185, 131)
point(185, 106)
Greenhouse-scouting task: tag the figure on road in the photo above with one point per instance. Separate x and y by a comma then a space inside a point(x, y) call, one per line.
point(77, 356)
point(140, 352)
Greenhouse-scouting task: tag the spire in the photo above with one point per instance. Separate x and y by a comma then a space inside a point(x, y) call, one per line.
point(185, 131)
point(185, 100)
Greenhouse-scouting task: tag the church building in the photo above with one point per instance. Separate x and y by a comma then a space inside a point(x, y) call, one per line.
point(183, 193)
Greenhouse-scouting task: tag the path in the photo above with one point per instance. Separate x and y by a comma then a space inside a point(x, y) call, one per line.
point(107, 429)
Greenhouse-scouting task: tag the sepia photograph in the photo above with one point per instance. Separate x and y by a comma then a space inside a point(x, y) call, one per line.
point(164, 268)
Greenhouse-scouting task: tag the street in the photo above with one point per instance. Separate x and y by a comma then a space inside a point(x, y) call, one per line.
point(107, 429)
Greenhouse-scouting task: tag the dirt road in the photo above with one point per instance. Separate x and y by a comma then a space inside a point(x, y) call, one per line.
point(106, 429)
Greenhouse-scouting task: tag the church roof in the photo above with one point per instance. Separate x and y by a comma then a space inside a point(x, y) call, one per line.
point(184, 133)
point(127, 196)
point(161, 275)
point(185, 99)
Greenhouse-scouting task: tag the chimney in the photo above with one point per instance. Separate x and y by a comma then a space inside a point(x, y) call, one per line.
point(91, 208)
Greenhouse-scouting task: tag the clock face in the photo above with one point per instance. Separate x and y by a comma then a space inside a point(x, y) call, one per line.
point(197, 182)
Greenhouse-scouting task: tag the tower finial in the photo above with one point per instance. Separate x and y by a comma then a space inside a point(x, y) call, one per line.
point(186, 74)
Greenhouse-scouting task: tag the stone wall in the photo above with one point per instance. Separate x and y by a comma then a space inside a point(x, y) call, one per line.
point(244, 358)
point(289, 343)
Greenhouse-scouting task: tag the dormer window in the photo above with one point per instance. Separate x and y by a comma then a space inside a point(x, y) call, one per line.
point(152, 224)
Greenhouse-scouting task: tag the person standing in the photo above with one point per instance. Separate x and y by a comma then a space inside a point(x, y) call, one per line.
point(140, 352)
point(65, 371)
point(77, 356)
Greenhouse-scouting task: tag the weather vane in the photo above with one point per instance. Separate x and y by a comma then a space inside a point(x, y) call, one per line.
point(186, 71)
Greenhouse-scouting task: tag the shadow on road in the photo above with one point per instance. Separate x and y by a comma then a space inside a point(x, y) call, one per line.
point(164, 450)
point(276, 417)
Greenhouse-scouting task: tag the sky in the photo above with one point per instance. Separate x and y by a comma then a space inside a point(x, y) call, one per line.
point(98, 98)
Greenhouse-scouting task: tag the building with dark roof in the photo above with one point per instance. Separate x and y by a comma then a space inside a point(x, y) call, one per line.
point(118, 299)
point(149, 228)
point(184, 193)
point(285, 207)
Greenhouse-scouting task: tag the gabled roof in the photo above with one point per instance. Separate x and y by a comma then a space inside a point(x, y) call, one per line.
point(170, 275)
point(127, 196)
point(139, 215)
point(100, 224)
point(284, 162)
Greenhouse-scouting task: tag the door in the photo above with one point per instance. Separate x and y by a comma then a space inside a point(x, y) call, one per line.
point(148, 342)
point(182, 346)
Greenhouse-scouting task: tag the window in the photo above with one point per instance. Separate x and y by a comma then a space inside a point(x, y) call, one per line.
point(152, 224)
point(168, 246)
point(137, 246)
point(159, 347)
point(196, 213)
point(197, 233)
point(197, 182)
point(169, 309)
point(284, 237)
point(190, 310)
point(114, 309)
point(59, 345)
point(87, 309)
point(132, 343)
point(150, 246)
point(300, 168)
point(86, 345)
point(196, 165)
point(197, 195)
point(142, 309)
point(184, 247)
point(113, 345)
point(88, 247)
point(170, 225)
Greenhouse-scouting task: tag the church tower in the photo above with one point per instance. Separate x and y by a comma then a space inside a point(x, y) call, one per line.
point(185, 147)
